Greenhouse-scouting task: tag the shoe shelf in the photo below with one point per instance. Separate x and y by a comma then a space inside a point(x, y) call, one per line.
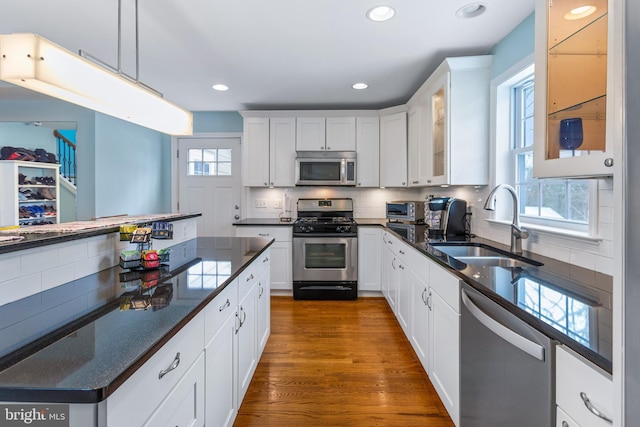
point(29, 194)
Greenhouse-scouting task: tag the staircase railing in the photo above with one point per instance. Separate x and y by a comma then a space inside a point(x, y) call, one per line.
point(66, 157)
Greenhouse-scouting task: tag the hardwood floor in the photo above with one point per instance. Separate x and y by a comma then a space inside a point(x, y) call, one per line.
point(339, 363)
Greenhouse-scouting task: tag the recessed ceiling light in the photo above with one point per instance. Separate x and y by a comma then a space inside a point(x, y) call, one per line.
point(360, 86)
point(471, 10)
point(381, 13)
point(580, 12)
point(220, 87)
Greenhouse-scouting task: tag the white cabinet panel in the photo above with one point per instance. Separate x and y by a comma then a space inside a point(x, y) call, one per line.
point(281, 252)
point(368, 151)
point(341, 134)
point(369, 258)
point(310, 134)
point(393, 150)
point(255, 152)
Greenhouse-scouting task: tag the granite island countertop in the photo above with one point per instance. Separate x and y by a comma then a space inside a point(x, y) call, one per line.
point(42, 235)
point(88, 358)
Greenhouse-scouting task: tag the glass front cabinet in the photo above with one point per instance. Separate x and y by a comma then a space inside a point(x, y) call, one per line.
point(575, 89)
point(450, 143)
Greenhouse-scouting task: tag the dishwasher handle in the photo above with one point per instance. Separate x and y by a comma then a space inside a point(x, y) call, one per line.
point(517, 340)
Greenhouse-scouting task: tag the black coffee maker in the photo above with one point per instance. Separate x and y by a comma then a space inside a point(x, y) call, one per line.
point(445, 216)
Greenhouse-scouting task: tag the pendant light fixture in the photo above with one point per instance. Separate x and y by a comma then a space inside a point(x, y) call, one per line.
point(33, 62)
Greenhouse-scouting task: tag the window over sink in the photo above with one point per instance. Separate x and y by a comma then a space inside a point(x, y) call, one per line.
point(553, 204)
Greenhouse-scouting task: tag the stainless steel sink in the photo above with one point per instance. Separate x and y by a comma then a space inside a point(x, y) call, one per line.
point(484, 255)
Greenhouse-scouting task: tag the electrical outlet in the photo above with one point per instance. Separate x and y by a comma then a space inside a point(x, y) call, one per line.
point(277, 204)
point(261, 203)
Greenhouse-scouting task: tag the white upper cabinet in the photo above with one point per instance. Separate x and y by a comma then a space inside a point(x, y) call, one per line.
point(341, 134)
point(449, 141)
point(368, 151)
point(577, 89)
point(326, 134)
point(282, 151)
point(393, 150)
point(310, 134)
point(268, 152)
point(255, 152)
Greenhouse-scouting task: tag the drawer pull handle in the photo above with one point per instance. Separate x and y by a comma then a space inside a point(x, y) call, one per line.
point(250, 277)
point(266, 259)
point(226, 305)
point(593, 409)
point(263, 234)
point(173, 366)
point(401, 252)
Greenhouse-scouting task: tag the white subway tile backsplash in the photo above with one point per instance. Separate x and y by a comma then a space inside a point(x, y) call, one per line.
point(583, 259)
point(45, 259)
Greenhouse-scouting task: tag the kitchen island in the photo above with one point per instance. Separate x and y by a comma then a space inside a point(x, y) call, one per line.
point(90, 361)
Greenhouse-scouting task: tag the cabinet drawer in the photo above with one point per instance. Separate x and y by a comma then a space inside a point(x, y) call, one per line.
point(134, 402)
point(574, 376)
point(281, 234)
point(218, 311)
point(446, 285)
point(185, 405)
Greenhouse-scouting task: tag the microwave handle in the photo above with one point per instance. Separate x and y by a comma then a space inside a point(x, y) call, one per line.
point(343, 171)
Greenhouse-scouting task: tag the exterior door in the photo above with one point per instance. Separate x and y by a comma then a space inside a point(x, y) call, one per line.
point(210, 182)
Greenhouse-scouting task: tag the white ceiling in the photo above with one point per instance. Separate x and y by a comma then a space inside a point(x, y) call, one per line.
point(273, 54)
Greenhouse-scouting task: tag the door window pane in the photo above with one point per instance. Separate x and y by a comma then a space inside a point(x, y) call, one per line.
point(209, 162)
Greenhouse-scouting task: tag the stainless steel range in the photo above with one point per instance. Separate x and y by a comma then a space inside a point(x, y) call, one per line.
point(325, 250)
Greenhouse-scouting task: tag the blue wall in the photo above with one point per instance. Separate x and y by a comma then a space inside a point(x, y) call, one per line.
point(518, 44)
point(217, 121)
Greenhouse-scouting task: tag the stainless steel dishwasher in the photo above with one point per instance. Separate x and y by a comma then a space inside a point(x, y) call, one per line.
point(507, 367)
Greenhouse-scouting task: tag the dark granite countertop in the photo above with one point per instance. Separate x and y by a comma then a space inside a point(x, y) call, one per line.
point(88, 358)
point(36, 236)
point(263, 222)
point(569, 304)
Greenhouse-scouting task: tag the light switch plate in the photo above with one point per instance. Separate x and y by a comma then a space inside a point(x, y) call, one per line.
point(261, 203)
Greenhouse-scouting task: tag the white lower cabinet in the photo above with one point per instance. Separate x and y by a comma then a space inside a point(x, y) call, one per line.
point(184, 406)
point(281, 252)
point(389, 270)
point(202, 374)
point(424, 298)
point(369, 258)
point(584, 393)
point(220, 330)
point(139, 397)
point(444, 354)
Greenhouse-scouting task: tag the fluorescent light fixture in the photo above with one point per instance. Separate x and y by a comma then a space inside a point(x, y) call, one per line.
point(360, 86)
point(220, 87)
point(381, 13)
point(471, 10)
point(33, 62)
point(580, 12)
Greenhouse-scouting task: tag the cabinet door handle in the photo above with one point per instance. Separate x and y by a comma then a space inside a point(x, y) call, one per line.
point(266, 184)
point(261, 290)
point(593, 409)
point(393, 263)
point(244, 316)
point(565, 424)
point(416, 182)
point(429, 301)
point(226, 304)
point(174, 365)
point(422, 296)
point(238, 323)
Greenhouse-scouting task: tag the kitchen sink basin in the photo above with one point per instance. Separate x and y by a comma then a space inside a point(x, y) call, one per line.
point(484, 255)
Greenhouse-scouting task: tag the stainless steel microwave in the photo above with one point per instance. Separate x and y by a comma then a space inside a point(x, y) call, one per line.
point(326, 168)
point(406, 211)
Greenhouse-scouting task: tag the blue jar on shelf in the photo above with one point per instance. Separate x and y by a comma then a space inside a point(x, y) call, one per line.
point(570, 133)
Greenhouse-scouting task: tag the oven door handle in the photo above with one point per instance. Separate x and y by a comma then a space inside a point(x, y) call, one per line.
point(515, 339)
